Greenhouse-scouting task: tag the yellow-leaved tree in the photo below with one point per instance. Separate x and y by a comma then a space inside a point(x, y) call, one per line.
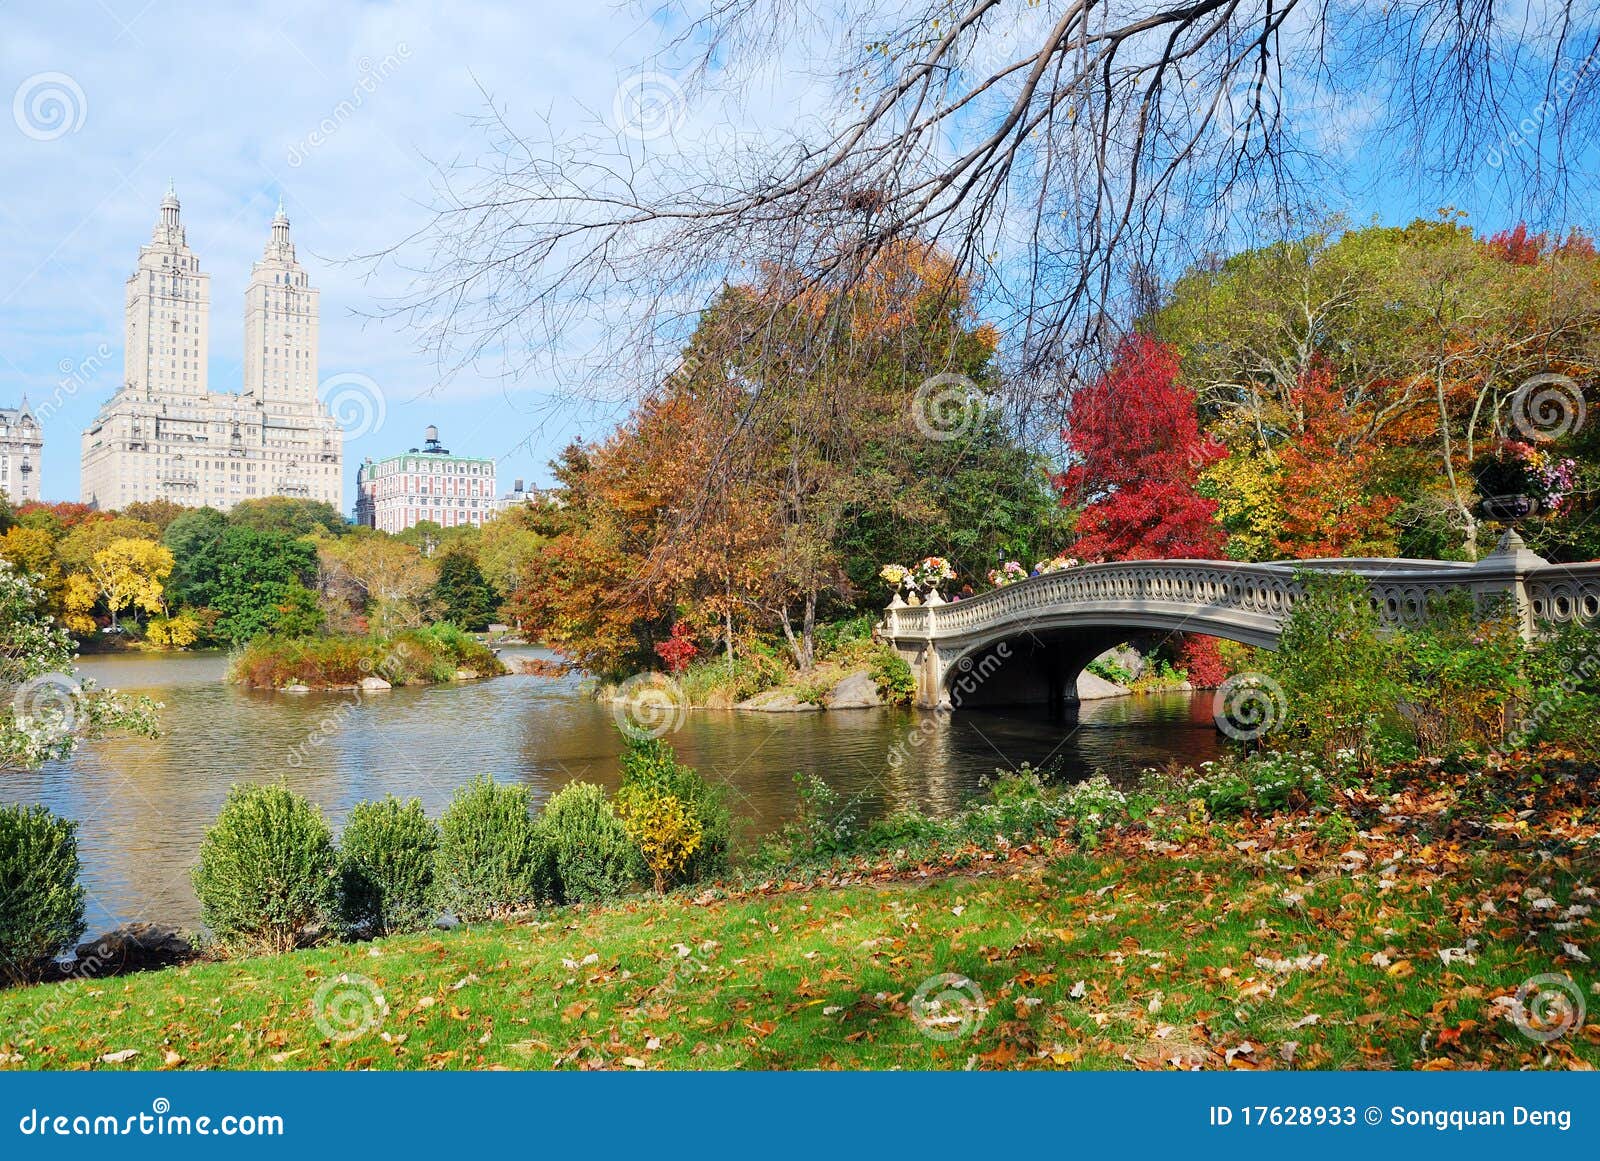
point(129, 571)
point(78, 601)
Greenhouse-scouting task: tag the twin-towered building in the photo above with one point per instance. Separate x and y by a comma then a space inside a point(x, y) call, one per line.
point(166, 435)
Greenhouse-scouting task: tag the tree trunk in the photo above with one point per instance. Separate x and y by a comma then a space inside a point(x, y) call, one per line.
point(809, 637)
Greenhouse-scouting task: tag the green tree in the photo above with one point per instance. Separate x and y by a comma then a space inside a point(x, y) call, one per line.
point(461, 592)
point(251, 578)
point(192, 538)
point(288, 515)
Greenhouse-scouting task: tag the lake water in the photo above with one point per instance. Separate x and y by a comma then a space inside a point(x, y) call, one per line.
point(143, 805)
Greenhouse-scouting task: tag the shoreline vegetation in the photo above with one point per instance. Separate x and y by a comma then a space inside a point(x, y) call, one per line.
point(432, 654)
point(1260, 913)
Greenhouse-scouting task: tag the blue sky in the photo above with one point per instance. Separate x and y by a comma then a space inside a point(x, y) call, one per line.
point(236, 105)
point(342, 109)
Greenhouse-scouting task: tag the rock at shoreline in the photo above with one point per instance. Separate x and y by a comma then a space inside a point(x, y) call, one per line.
point(295, 687)
point(375, 683)
point(1092, 687)
point(467, 675)
point(854, 691)
point(777, 701)
point(130, 948)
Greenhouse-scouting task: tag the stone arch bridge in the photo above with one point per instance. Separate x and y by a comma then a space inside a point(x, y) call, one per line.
point(1028, 642)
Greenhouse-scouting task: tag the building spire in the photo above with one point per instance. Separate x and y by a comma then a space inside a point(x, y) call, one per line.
point(280, 224)
point(170, 207)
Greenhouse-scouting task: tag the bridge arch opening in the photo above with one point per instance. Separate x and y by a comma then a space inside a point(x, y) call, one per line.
point(1039, 668)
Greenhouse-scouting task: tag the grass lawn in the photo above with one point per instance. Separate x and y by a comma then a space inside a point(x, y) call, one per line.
point(1271, 949)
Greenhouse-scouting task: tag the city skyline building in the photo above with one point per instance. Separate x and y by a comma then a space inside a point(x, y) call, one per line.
point(166, 435)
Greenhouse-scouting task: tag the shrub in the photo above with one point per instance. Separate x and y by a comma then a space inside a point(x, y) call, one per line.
point(387, 858)
point(1262, 783)
point(1109, 670)
point(1460, 670)
point(267, 870)
point(595, 859)
point(1564, 697)
point(651, 770)
point(429, 654)
point(493, 859)
point(896, 683)
point(1202, 660)
point(41, 902)
point(1337, 669)
point(667, 831)
point(745, 676)
point(1093, 805)
point(834, 636)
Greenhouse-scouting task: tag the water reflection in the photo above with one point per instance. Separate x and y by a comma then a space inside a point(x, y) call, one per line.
point(143, 804)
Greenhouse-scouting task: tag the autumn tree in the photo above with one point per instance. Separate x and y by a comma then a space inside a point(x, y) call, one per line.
point(1137, 454)
point(735, 497)
point(507, 548)
point(376, 576)
point(1424, 334)
point(128, 572)
point(1334, 499)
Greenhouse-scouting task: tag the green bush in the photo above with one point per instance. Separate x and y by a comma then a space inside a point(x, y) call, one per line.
point(417, 656)
point(834, 636)
point(1337, 670)
point(1112, 671)
point(1093, 805)
point(1460, 671)
point(1261, 783)
point(267, 870)
point(595, 860)
point(493, 858)
point(650, 767)
point(41, 902)
point(1020, 808)
point(387, 858)
point(827, 825)
point(897, 685)
point(1563, 701)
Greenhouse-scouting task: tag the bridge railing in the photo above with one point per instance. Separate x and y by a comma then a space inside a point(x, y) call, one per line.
point(1257, 597)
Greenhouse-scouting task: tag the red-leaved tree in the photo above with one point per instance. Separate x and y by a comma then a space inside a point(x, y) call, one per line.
point(1135, 438)
point(1138, 452)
